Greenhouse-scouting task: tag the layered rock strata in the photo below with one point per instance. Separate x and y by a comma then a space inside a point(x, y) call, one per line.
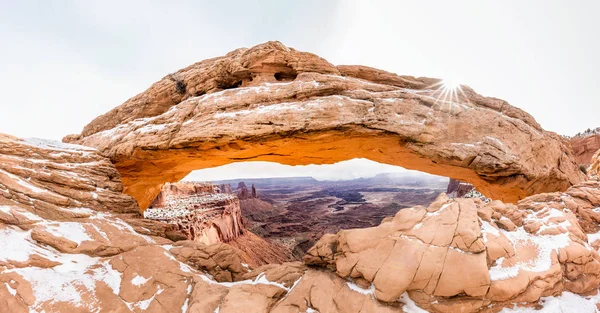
point(274, 103)
point(199, 211)
point(585, 146)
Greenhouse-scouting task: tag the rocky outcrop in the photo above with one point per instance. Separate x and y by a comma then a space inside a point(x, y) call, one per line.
point(457, 255)
point(458, 189)
point(467, 256)
point(585, 146)
point(55, 178)
point(243, 192)
point(199, 211)
point(225, 188)
point(179, 189)
point(274, 103)
point(595, 167)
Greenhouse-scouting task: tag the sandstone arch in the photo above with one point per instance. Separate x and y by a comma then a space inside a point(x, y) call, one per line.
point(240, 107)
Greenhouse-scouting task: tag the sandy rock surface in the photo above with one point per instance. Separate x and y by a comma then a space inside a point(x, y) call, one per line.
point(274, 103)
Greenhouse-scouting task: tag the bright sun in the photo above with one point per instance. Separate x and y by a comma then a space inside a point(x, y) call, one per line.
point(450, 84)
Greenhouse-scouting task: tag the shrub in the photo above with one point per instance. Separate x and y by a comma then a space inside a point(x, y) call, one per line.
point(180, 86)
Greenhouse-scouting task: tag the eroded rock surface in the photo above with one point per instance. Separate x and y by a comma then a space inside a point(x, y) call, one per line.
point(585, 146)
point(200, 211)
point(274, 103)
point(80, 254)
point(464, 255)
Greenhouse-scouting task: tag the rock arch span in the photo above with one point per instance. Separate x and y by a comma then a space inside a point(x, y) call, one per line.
point(274, 103)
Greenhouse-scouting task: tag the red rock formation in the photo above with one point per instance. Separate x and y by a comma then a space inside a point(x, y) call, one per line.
point(274, 103)
point(65, 248)
point(225, 188)
point(458, 189)
point(244, 193)
point(584, 146)
point(200, 211)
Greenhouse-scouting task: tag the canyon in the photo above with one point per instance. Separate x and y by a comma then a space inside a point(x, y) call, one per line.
point(296, 212)
point(73, 237)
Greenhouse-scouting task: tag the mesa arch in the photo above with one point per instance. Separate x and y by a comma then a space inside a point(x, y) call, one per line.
point(274, 103)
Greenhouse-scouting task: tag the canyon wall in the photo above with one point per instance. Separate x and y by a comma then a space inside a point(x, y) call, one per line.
point(584, 147)
point(274, 103)
point(199, 210)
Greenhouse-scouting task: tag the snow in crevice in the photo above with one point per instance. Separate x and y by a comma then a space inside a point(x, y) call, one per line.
point(545, 245)
point(565, 303)
point(139, 280)
point(409, 305)
point(260, 279)
point(144, 304)
point(363, 291)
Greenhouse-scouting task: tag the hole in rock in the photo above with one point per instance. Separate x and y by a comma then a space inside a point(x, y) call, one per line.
point(291, 207)
point(286, 76)
point(230, 84)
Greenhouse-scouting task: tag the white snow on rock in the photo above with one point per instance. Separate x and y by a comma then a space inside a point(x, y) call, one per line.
point(55, 145)
point(17, 245)
point(139, 280)
point(545, 244)
point(565, 303)
point(71, 281)
point(409, 305)
point(260, 279)
point(69, 230)
point(357, 288)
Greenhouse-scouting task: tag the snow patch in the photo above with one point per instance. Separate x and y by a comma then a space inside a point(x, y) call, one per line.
point(409, 305)
point(139, 280)
point(545, 245)
point(357, 288)
point(565, 303)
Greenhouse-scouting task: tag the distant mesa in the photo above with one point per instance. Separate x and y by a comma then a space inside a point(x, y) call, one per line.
point(199, 210)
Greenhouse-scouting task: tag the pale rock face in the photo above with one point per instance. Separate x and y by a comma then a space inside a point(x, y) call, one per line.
point(585, 146)
point(274, 103)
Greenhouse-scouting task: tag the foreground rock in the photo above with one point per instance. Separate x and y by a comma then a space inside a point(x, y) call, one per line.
point(467, 256)
point(453, 256)
point(274, 103)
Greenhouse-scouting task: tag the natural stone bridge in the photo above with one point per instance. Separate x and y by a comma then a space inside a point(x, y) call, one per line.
point(273, 103)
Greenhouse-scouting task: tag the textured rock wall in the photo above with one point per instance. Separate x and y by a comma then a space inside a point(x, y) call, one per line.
point(458, 189)
point(465, 255)
point(274, 103)
point(584, 147)
point(200, 211)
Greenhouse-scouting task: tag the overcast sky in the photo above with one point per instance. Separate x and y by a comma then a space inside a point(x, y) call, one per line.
point(62, 63)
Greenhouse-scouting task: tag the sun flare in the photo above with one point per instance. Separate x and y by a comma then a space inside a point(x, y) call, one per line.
point(450, 84)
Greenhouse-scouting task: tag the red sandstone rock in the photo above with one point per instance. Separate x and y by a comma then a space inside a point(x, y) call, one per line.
point(274, 103)
point(199, 211)
point(585, 145)
point(458, 189)
point(449, 257)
